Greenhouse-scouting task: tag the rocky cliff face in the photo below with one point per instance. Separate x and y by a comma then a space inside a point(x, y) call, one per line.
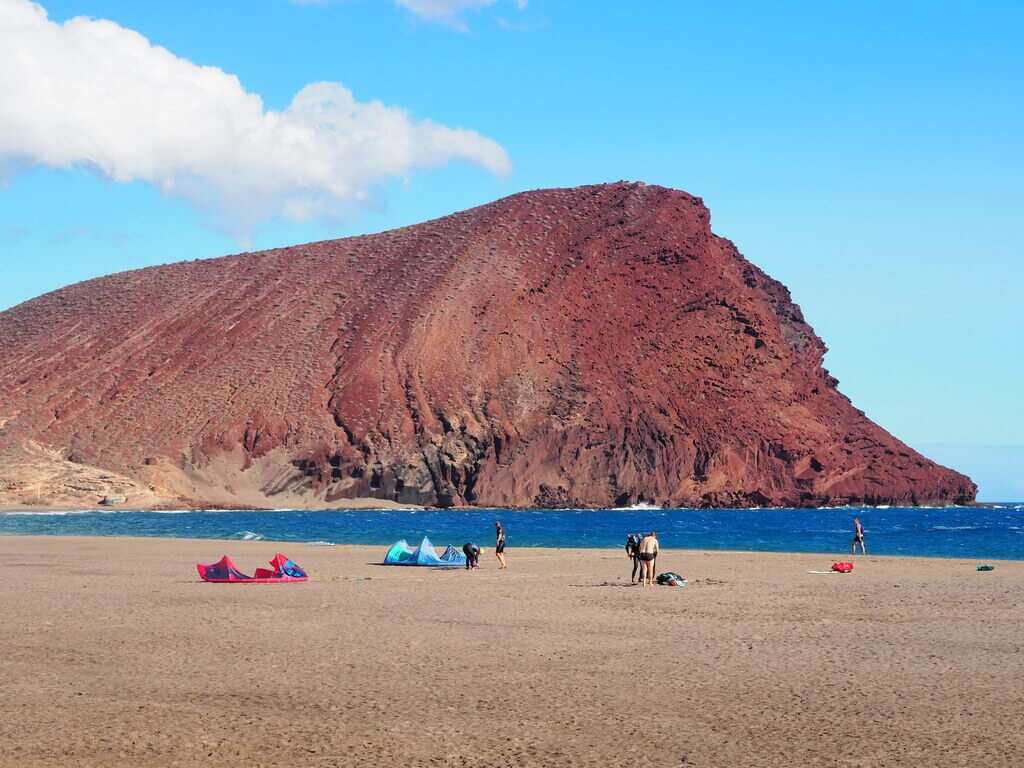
point(587, 347)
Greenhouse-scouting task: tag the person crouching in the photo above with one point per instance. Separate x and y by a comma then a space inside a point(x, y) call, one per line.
point(472, 553)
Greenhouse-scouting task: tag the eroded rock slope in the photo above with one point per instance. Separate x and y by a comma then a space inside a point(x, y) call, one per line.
point(592, 346)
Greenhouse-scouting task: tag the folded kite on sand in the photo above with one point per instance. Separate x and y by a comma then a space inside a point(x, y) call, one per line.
point(838, 568)
point(401, 554)
point(225, 572)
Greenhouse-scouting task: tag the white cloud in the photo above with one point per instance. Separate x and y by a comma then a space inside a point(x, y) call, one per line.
point(445, 11)
point(442, 11)
point(92, 93)
point(448, 11)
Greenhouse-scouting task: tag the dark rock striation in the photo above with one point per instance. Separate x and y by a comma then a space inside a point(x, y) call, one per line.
point(582, 347)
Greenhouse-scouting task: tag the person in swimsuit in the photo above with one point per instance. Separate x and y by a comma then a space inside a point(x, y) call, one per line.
point(858, 536)
point(472, 553)
point(648, 556)
point(633, 553)
point(499, 544)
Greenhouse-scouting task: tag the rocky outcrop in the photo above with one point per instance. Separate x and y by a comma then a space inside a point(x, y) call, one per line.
point(571, 347)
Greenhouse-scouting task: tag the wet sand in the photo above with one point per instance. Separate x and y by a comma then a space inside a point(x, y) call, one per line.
point(114, 654)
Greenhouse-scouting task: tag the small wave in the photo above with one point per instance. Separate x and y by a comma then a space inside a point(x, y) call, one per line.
point(321, 543)
point(247, 536)
point(955, 527)
point(49, 512)
point(640, 506)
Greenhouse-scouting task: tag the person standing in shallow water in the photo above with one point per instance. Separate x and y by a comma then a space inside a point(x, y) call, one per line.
point(858, 536)
point(499, 544)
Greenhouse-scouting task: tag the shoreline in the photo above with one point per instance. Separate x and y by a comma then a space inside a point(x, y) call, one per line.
point(542, 550)
point(384, 505)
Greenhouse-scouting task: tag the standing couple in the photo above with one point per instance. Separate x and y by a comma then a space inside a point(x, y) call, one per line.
point(472, 551)
point(644, 552)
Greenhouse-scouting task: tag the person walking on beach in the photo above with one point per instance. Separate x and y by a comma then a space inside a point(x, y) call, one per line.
point(648, 555)
point(472, 553)
point(633, 553)
point(499, 544)
point(858, 536)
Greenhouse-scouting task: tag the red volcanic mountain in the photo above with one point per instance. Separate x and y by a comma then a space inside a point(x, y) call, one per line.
point(589, 347)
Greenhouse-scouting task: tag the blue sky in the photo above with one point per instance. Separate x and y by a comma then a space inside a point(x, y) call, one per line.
point(867, 155)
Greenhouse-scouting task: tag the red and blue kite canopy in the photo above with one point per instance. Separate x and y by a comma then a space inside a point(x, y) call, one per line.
point(225, 572)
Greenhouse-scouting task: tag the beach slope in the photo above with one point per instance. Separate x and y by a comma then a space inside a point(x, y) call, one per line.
point(115, 655)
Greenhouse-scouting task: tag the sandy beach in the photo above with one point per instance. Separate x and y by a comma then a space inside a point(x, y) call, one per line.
point(114, 654)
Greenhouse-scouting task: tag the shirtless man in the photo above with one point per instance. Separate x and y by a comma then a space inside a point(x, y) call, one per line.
point(648, 554)
point(858, 536)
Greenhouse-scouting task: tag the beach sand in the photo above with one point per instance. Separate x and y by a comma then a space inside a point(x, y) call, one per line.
point(113, 654)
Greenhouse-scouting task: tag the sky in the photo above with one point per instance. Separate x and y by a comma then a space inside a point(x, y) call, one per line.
point(869, 155)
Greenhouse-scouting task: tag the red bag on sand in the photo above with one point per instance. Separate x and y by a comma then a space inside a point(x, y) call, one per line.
point(842, 567)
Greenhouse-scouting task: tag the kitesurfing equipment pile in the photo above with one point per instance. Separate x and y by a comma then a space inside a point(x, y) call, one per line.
point(669, 579)
point(401, 554)
point(281, 570)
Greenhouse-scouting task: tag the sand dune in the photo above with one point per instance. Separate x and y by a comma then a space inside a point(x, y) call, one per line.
point(114, 655)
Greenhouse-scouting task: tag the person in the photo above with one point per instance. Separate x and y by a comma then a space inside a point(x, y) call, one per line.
point(858, 536)
point(499, 544)
point(633, 553)
point(648, 555)
point(472, 553)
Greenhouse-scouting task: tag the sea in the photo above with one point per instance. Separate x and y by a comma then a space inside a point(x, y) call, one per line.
point(991, 532)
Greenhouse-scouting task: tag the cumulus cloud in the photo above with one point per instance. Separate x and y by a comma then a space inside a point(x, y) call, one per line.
point(90, 93)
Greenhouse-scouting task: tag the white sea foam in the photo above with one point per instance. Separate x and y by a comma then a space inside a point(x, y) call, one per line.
point(47, 513)
point(321, 543)
point(643, 505)
point(247, 536)
point(61, 512)
point(106, 511)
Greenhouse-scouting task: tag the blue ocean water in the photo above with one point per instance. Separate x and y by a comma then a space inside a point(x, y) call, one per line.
point(974, 532)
